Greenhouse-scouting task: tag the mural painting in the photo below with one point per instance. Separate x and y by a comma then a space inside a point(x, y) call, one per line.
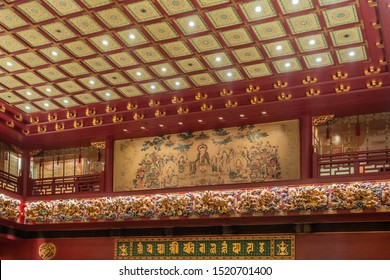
point(251, 153)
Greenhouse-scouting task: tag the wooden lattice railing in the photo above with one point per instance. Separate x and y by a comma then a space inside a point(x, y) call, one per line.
point(9, 182)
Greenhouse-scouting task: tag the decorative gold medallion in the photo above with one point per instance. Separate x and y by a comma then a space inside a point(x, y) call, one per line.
point(47, 251)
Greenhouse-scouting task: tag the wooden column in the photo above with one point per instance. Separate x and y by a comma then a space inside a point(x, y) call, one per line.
point(306, 139)
point(109, 165)
point(25, 174)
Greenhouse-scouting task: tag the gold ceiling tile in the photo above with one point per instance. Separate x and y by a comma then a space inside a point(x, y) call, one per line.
point(64, 7)
point(115, 78)
point(220, 59)
point(10, 97)
point(108, 95)
point(46, 105)
point(105, 43)
point(161, 31)
point(55, 54)
point(330, 2)
point(92, 82)
point(58, 31)
point(69, 86)
point(247, 54)
point(190, 65)
point(229, 75)
point(27, 108)
point(98, 64)
point(191, 24)
point(304, 23)
point(153, 87)
point(35, 11)
point(123, 59)
point(203, 79)
point(287, 65)
point(291, 6)
point(257, 70)
point(139, 74)
point(85, 24)
point(205, 43)
point(340, 16)
point(51, 74)
point(149, 54)
point(10, 44)
point(257, 10)
point(10, 65)
point(311, 43)
point(269, 30)
point(224, 17)
point(177, 83)
point(164, 70)
point(143, 11)
point(209, 3)
point(132, 37)
point(96, 3)
point(10, 19)
point(176, 49)
point(347, 36)
point(130, 91)
point(236, 37)
point(86, 98)
point(279, 48)
point(113, 18)
point(30, 78)
point(176, 7)
point(33, 37)
point(29, 94)
point(351, 54)
point(74, 69)
point(49, 90)
point(318, 60)
point(79, 48)
point(66, 102)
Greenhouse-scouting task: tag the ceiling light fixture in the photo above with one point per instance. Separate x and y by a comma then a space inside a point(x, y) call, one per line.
point(153, 87)
point(229, 74)
point(351, 53)
point(220, 118)
point(125, 130)
point(177, 83)
point(164, 69)
point(108, 94)
point(28, 93)
point(54, 53)
point(48, 89)
point(180, 123)
point(191, 24)
point(318, 59)
point(66, 101)
point(105, 42)
point(132, 36)
point(92, 82)
point(279, 47)
point(138, 73)
point(161, 125)
point(264, 113)
point(200, 121)
point(312, 42)
point(295, 2)
point(242, 115)
point(9, 63)
point(46, 104)
point(27, 107)
point(143, 128)
point(287, 64)
point(258, 9)
point(218, 59)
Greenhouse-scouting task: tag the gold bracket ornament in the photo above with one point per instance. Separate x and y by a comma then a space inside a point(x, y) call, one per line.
point(78, 124)
point(110, 109)
point(51, 117)
point(2, 108)
point(131, 107)
point(71, 114)
point(10, 124)
point(138, 116)
point(342, 88)
point(41, 129)
point(97, 121)
point(225, 92)
point(117, 119)
point(255, 100)
point(19, 118)
point(206, 107)
point(372, 70)
point(379, 45)
point(90, 112)
point(34, 119)
point(153, 103)
point(376, 25)
point(200, 96)
point(382, 62)
point(230, 104)
point(319, 120)
point(312, 92)
point(26, 131)
point(279, 84)
point(374, 84)
point(159, 113)
point(252, 88)
point(372, 3)
point(181, 110)
point(176, 99)
point(99, 145)
point(339, 75)
point(59, 126)
point(284, 96)
point(309, 80)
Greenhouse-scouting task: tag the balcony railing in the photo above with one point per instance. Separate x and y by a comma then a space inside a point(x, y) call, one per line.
point(354, 163)
point(9, 182)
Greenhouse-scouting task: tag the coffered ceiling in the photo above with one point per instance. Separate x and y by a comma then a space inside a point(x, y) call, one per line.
point(68, 64)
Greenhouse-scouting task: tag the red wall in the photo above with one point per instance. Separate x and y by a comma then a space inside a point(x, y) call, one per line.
point(308, 246)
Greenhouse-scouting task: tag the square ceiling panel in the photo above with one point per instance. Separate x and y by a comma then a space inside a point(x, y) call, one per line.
point(27, 108)
point(79, 49)
point(85, 24)
point(33, 37)
point(318, 60)
point(115, 78)
point(149, 54)
point(29, 94)
point(224, 17)
point(176, 49)
point(66, 102)
point(143, 11)
point(311, 43)
point(70, 86)
point(216, 60)
point(49, 90)
point(10, 97)
point(113, 18)
point(205, 43)
point(287, 65)
point(347, 36)
point(96, 3)
point(204, 79)
point(132, 37)
point(304, 23)
point(105, 43)
point(64, 7)
point(51, 74)
point(209, 3)
point(236, 37)
point(130, 91)
point(108, 95)
point(10, 44)
point(340, 16)
point(269, 30)
point(35, 11)
point(139, 74)
point(257, 70)
point(176, 7)
point(229, 75)
point(191, 24)
point(55, 54)
point(164, 70)
point(289, 6)
point(10, 19)
point(58, 31)
point(123, 59)
point(351, 54)
point(279, 48)
point(74, 69)
point(46, 105)
point(10, 82)
point(257, 10)
point(86, 98)
point(31, 59)
point(177, 83)
point(10, 65)
point(30, 78)
point(98, 64)
point(161, 31)
point(190, 65)
point(153, 87)
point(329, 2)
point(247, 54)
point(92, 82)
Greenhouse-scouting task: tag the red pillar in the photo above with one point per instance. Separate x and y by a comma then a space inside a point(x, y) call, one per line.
point(26, 191)
point(109, 166)
point(306, 136)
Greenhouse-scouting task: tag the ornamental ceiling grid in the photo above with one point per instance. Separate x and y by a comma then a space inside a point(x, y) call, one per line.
point(55, 54)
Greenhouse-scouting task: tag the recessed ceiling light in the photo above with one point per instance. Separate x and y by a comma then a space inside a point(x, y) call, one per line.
point(54, 53)
point(66, 101)
point(191, 24)
point(287, 64)
point(161, 125)
point(105, 42)
point(138, 73)
point(92, 82)
point(27, 107)
point(153, 87)
point(108, 94)
point(125, 130)
point(200, 121)
point(143, 128)
point(180, 123)
point(132, 36)
point(229, 74)
point(278, 47)
point(295, 2)
point(48, 89)
point(28, 93)
point(258, 9)
point(46, 104)
point(218, 58)
point(312, 42)
point(9, 63)
point(242, 115)
point(264, 113)
point(164, 69)
point(177, 83)
point(318, 59)
point(220, 118)
point(351, 53)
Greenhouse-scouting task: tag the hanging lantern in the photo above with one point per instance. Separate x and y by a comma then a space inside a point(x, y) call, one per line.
point(80, 157)
point(5, 155)
point(99, 156)
point(357, 128)
point(40, 162)
point(58, 160)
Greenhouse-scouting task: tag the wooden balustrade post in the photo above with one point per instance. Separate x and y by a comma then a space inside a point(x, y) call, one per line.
point(306, 138)
point(25, 174)
point(109, 166)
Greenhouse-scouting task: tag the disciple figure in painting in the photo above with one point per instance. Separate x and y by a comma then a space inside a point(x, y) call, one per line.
point(202, 163)
point(170, 177)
